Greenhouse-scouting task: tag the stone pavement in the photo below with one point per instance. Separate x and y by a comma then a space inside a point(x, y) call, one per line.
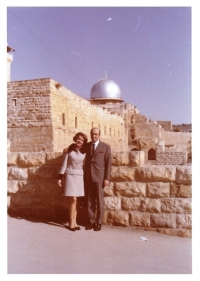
point(49, 248)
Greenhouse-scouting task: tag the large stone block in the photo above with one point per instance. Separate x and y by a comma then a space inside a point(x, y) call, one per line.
point(37, 187)
point(12, 186)
point(42, 173)
point(155, 173)
point(19, 200)
point(158, 189)
point(120, 159)
point(184, 221)
point(119, 218)
point(175, 232)
point(183, 206)
point(151, 205)
point(54, 159)
point(130, 189)
point(184, 175)
point(12, 159)
point(139, 219)
point(112, 203)
point(122, 173)
point(168, 205)
point(28, 159)
point(180, 190)
point(179, 206)
point(16, 173)
point(130, 204)
point(163, 220)
point(109, 190)
point(136, 158)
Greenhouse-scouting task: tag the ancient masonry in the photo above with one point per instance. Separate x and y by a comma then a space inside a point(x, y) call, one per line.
point(151, 165)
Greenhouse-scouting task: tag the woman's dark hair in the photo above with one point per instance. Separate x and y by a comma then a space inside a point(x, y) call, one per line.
point(82, 135)
point(72, 146)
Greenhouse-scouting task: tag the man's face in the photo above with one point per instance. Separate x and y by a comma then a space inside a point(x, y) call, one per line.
point(94, 135)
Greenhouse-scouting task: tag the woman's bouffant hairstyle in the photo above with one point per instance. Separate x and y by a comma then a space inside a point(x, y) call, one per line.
point(73, 145)
point(82, 135)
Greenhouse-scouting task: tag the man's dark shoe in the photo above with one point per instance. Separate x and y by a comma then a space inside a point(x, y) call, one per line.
point(90, 226)
point(97, 227)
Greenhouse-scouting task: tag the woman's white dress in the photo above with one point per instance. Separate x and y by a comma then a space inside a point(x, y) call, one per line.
point(72, 168)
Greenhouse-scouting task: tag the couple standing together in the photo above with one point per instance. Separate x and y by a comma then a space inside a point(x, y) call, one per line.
point(89, 164)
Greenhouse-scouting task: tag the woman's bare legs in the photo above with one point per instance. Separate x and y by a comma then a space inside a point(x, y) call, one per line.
point(72, 212)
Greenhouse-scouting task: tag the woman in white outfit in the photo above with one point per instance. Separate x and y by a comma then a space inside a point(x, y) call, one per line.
point(72, 167)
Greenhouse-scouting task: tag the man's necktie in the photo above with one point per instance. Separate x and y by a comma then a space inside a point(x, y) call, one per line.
point(93, 148)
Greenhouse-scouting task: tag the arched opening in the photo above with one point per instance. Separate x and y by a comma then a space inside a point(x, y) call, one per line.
point(151, 154)
point(134, 149)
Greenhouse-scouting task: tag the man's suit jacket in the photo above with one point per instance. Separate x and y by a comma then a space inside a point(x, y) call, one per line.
point(98, 166)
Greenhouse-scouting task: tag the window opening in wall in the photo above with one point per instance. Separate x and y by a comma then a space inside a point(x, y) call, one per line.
point(118, 134)
point(110, 131)
point(76, 122)
point(15, 102)
point(63, 118)
point(152, 154)
point(105, 130)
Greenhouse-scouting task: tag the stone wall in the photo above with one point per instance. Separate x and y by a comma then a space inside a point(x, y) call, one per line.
point(156, 198)
point(80, 115)
point(166, 125)
point(181, 140)
point(29, 116)
point(171, 158)
point(44, 116)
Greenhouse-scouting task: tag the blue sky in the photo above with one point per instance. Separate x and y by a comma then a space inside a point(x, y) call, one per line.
point(145, 50)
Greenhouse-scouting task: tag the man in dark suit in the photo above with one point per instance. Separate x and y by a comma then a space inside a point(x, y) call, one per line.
point(97, 176)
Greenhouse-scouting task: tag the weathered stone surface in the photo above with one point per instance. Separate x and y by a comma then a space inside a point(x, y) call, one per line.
point(151, 205)
point(122, 173)
point(112, 203)
point(184, 221)
point(37, 201)
point(168, 205)
point(183, 206)
point(171, 158)
point(136, 158)
point(54, 159)
point(158, 189)
point(184, 175)
point(109, 189)
point(12, 186)
point(130, 189)
point(176, 232)
point(28, 159)
point(36, 187)
point(163, 220)
point(120, 159)
point(12, 159)
point(42, 173)
point(16, 173)
point(120, 218)
point(139, 219)
point(155, 173)
point(179, 206)
point(180, 190)
point(27, 201)
point(130, 204)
